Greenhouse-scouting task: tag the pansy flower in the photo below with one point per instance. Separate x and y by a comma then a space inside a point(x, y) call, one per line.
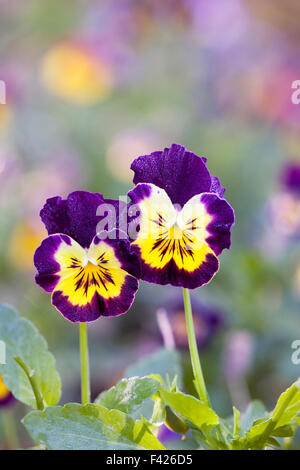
point(6, 397)
point(89, 275)
point(183, 220)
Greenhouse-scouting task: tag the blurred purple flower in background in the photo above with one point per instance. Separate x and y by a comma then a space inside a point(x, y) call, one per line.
point(220, 25)
point(166, 435)
point(290, 177)
point(237, 360)
point(281, 215)
point(208, 320)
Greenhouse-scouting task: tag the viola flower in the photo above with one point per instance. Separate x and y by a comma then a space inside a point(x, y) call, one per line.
point(6, 397)
point(89, 276)
point(184, 223)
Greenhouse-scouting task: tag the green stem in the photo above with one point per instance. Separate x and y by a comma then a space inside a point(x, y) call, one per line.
point(85, 372)
point(30, 376)
point(10, 430)
point(199, 379)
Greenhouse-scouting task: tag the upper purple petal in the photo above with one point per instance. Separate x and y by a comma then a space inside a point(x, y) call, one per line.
point(75, 216)
point(180, 173)
point(216, 187)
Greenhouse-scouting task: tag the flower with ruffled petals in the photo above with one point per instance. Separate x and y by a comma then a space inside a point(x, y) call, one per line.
point(6, 397)
point(89, 275)
point(184, 222)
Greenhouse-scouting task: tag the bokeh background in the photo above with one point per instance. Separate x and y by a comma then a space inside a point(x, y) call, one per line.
point(92, 85)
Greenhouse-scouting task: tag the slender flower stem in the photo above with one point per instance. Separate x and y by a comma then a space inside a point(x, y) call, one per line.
point(31, 378)
point(85, 371)
point(199, 379)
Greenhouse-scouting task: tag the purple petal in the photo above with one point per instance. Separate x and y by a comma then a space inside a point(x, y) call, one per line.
point(45, 262)
point(180, 173)
point(76, 216)
point(216, 187)
point(171, 274)
point(98, 306)
point(219, 228)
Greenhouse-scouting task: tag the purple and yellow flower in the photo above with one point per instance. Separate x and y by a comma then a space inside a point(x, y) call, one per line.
point(6, 397)
point(88, 275)
point(184, 223)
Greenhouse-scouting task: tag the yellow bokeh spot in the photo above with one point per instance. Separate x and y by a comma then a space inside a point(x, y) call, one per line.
point(74, 74)
point(25, 238)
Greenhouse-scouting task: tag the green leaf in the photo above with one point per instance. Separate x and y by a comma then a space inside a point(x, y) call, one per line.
point(277, 424)
point(164, 362)
point(129, 394)
point(287, 406)
point(23, 340)
point(190, 408)
point(256, 437)
point(283, 431)
point(272, 442)
point(255, 410)
point(88, 427)
point(138, 431)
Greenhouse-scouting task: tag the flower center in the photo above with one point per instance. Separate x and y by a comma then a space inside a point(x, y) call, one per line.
point(89, 260)
point(176, 233)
